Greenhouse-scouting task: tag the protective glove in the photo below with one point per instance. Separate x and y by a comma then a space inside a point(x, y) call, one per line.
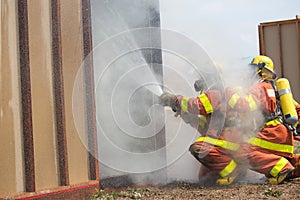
point(168, 99)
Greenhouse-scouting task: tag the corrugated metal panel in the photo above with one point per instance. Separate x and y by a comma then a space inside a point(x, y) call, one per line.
point(280, 41)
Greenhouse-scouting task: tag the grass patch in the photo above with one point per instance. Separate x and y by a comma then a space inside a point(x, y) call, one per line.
point(271, 192)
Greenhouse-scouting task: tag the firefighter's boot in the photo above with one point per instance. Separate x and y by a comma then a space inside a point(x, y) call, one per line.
point(227, 180)
point(280, 177)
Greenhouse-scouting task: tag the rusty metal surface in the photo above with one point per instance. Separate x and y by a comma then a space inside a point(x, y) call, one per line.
point(59, 94)
point(89, 90)
point(26, 97)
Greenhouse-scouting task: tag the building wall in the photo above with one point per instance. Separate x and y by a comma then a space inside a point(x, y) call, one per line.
point(10, 136)
point(43, 125)
point(280, 40)
point(72, 58)
point(42, 147)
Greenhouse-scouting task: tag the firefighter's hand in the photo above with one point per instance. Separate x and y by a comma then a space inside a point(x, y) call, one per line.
point(297, 137)
point(168, 99)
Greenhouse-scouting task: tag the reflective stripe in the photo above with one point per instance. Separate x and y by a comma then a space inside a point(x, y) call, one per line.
point(233, 99)
point(279, 166)
point(184, 104)
point(221, 143)
point(271, 93)
point(252, 103)
point(206, 103)
point(271, 146)
point(284, 91)
point(202, 121)
point(228, 169)
point(273, 122)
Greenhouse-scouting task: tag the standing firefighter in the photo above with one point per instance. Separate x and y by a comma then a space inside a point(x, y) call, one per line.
point(217, 145)
point(271, 150)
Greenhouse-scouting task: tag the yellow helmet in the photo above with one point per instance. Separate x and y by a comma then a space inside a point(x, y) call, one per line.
point(265, 67)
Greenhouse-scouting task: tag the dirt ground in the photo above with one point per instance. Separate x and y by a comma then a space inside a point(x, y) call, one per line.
point(253, 186)
point(182, 190)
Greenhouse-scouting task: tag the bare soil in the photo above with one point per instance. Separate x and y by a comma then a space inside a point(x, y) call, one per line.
point(182, 190)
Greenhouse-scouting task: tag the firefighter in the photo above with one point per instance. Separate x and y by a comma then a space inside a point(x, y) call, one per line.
point(271, 150)
point(217, 145)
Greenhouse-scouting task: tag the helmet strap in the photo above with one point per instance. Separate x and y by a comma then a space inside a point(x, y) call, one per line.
point(259, 72)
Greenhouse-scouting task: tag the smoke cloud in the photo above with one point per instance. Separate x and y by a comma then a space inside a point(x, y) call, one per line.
point(135, 61)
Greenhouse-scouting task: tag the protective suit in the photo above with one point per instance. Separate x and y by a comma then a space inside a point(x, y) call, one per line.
point(271, 150)
point(219, 140)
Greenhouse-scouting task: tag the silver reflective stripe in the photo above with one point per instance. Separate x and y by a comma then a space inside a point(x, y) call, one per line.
point(284, 91)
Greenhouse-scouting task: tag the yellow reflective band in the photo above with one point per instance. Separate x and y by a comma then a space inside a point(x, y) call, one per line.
point(206, 103)
point(220, 143)
point(232, 101)
point(252, 103)
point(184, 104)
point(279, 166)
point(271, 146)
point(273, 122)
point(202, 121)
point(228, 169)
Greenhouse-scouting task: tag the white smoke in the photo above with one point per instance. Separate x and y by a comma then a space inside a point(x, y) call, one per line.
point(127, 87)
point(130, 123)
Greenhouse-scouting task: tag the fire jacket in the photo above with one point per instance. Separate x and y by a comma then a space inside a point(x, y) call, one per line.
point(274, 136)
point(217, 142)
point(271, 151)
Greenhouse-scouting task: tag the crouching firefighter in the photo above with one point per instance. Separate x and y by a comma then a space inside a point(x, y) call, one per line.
point(271, 150)
point(217, 145)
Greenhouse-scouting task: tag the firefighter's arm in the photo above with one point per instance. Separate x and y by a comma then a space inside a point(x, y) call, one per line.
point(191, 119)
point(297, 137)
point(297, 106)
point(204, 104)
